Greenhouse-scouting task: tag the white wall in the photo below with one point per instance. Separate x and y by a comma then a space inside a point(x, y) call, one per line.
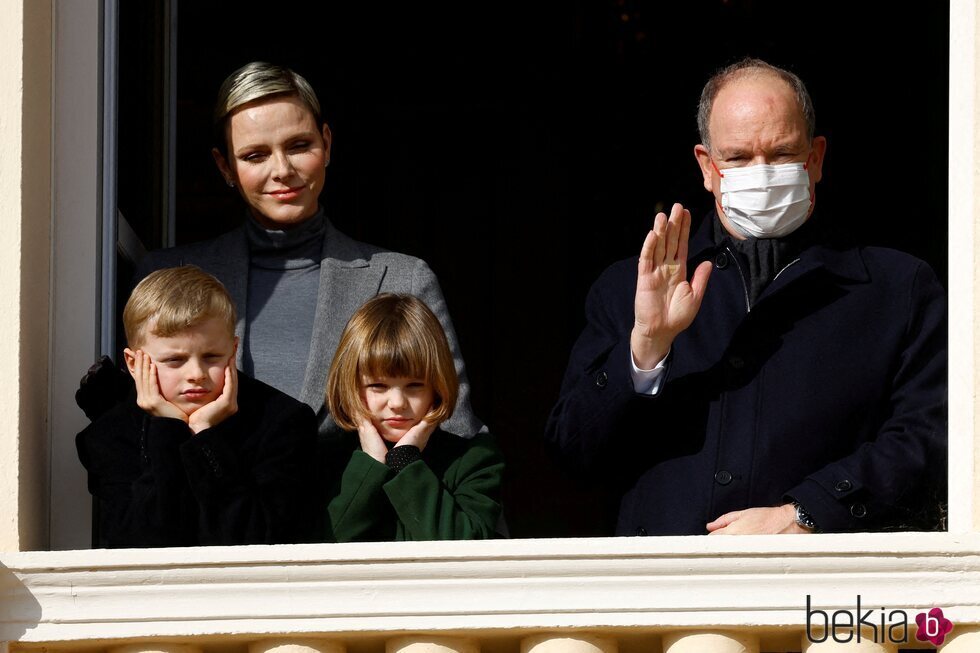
point(964, 292)
point(25, 221)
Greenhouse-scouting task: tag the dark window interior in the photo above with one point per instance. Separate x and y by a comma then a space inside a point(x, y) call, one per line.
point(521, 147)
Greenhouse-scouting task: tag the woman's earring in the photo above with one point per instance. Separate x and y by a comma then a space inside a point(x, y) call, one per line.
point(231, 184)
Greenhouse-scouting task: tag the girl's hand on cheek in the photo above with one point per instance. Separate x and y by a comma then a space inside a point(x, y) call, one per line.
point(418, 435)
point(371, 441)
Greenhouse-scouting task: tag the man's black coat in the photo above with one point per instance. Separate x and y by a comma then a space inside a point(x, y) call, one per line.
point(830, 390)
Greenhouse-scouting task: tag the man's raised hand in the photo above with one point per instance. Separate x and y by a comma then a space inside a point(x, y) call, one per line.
point(666, 303)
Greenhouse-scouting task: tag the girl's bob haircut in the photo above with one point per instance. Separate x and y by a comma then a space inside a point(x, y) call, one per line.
point(391, 336)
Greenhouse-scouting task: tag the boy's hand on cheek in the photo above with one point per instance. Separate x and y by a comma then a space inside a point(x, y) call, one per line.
point(223, 407)
point(148, 395)
point(418, 435)
point(371, 441)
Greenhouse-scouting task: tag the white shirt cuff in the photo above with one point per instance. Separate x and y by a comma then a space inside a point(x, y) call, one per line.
point(648, 382)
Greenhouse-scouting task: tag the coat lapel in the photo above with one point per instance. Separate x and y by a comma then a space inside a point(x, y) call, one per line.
point(348, 278)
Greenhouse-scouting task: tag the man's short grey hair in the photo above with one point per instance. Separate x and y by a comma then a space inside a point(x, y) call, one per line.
point(745, 68)
point(255, 81)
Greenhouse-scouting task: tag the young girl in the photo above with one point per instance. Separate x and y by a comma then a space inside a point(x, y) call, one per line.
point(391, 384)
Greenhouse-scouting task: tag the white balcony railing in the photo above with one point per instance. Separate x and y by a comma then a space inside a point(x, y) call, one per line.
point(646, 594)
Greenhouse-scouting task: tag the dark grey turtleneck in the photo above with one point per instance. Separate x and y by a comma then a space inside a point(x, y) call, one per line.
point(767, 257)
point(283, 283)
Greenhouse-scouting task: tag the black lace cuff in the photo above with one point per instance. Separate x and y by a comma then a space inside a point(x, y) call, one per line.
point(399, 458)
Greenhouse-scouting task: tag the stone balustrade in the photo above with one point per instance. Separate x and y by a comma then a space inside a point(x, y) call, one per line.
point(762, 594)
point(746, 640)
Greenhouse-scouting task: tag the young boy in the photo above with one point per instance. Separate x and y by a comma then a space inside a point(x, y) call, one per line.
point(199, 453)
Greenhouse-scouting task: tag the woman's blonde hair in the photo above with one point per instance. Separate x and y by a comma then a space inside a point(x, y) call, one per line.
point(394, 336)
point(176, 299)
point(255, 81)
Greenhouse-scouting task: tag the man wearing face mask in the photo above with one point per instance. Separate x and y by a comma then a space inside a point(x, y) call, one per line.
point(749, 377)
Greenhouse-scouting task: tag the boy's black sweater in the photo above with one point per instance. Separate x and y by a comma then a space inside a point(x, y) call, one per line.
point(245, 481)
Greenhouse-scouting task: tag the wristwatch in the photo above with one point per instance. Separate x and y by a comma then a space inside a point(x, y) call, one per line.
point(804, 519)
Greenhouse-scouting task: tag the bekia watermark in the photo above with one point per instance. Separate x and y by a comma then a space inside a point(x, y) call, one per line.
point(933, 626)
point(877, 624)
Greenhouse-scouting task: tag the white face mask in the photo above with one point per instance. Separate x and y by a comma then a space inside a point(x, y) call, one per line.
point(766, 201)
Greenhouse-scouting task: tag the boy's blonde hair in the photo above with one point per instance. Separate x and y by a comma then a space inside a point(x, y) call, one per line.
point(178, 299)
point(391, 335)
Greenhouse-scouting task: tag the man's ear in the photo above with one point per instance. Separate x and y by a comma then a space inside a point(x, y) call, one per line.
point(234, 349)
point(814, 162)
point(130, 357)
point(704, 162)
point(223, 167)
